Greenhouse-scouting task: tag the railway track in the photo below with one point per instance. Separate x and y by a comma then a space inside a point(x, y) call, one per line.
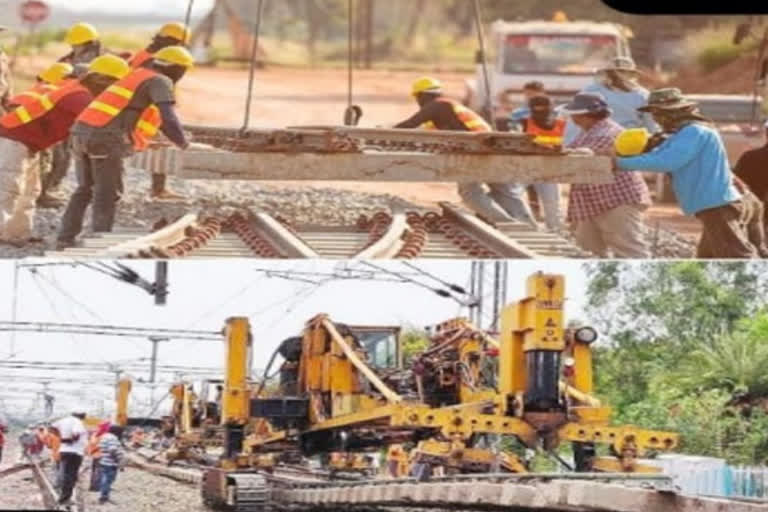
point(451, 233)
point(295, 489)
point(48, 492)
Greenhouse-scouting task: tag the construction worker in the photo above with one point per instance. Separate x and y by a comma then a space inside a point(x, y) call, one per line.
point(548, 129)
point(695, 156)
point(617, 84)
point(74, 437)
point(26, 131)
point(530, 89)
point(753, 218)
point(47, 81)
point(6, 85)
point(751, 168)
point(438, 112)
point(106, 132)
point(84, 41)
point(93, 450)
point(608, 219)
point(111, 455)
point(52, 441)
point(170, 34)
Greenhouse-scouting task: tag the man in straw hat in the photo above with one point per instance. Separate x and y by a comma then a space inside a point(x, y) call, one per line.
point(617, 83)
point(695, 157)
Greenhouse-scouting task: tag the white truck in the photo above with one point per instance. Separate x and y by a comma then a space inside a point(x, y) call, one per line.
point(563, 55)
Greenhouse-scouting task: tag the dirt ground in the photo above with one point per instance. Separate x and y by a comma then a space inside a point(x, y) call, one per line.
point(302, 97)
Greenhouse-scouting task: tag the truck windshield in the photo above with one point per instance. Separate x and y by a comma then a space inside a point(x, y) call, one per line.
point(558, 53)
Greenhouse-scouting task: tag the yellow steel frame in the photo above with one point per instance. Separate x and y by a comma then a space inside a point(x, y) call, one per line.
point(236, 396)
point(330, 364)
point(122, 392)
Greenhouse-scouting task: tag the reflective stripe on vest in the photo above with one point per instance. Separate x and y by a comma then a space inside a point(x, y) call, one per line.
point(39, 105)
point(25, 99)
point(110, 103)
point(140, 58)
point(147, 127)
point(552, 136)
point(468, 118)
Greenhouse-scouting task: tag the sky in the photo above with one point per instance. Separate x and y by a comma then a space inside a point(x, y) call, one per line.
point(202, 295)
point(134, 6)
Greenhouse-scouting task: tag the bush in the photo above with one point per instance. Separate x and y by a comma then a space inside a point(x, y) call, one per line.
point(718, 55)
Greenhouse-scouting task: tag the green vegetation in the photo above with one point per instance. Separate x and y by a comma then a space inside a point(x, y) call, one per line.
point(413, 341)
point(685, 347)
point(713, 47)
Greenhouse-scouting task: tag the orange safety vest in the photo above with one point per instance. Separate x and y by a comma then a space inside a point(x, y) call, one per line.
point(26, 98)
point(471, 119)
point(553, 136)
point(116, 98)
point(140, 58)
point(39, 106)
point(94, 450)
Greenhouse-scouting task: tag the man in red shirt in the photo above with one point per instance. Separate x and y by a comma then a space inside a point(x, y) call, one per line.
point(27, 130)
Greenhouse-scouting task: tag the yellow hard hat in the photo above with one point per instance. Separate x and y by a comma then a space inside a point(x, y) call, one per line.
point(56, 73)
point(426, 84)
point(175, 30)
point(81, 33)
point(175, 55)
point(631, 142)
point(109, 65)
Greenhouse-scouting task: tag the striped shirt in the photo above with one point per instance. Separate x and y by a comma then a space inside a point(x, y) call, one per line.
point(589, 201)
point(111, 451)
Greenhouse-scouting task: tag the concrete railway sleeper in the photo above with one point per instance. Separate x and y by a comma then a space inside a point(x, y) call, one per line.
point(293, 488)
point(451, 233)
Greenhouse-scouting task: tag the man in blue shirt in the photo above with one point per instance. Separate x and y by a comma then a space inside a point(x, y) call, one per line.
point(617, 83)
point(694, 155)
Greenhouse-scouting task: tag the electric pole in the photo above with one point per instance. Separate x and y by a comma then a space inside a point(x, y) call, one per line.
point(161, 283)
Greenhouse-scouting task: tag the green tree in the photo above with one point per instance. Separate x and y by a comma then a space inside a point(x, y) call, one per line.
point(684, 348)
point(413, 341)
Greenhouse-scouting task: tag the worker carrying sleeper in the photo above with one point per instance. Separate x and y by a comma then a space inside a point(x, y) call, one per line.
point(35, 127)
point(438, 112)
point(109, 130)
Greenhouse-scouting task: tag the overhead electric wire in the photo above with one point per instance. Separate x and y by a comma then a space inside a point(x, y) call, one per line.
point(35, 275)
point(454, 287)
point(439, 291)
point(66, 294)
point(110, 330)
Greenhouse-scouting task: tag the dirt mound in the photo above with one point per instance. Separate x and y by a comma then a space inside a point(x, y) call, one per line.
point(736, 77)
